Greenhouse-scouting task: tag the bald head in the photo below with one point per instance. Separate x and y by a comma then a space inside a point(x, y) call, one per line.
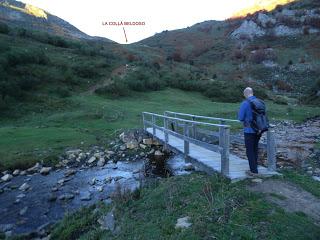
point(248, 92)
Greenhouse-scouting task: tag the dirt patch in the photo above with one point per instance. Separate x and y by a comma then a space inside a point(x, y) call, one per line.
point(289, 196)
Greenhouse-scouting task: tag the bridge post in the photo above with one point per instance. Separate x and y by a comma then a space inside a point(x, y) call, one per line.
point(166, 136)
point(186, 142)
point(271, 150)
point(221, 130)
point(143, 121)
point(225, 142)
point(194, 135)
point(175, 124)
point(153, 125)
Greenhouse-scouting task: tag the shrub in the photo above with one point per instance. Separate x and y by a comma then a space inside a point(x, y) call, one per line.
point(258, 56)
point(28, 56)
point(85, 71)
point(313, 22)
point(176, 56)
point(306, 30)
point(63, 92)
point(289, 21)
point(117, 89)
point(284, 86)
point(261, 55)
point(27, 82)
point(4, 28)
point(238, 54)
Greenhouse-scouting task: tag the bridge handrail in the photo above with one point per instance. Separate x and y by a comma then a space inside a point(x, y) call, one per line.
point(187, 121)
point(203, 117)
point(209, 118)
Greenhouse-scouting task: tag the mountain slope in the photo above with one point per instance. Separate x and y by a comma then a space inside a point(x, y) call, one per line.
point(26, 16)
point(278, 50)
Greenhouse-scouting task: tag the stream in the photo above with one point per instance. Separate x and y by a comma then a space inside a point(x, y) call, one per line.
point(48, 198)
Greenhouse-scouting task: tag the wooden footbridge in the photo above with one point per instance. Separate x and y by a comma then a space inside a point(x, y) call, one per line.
point(185, 133)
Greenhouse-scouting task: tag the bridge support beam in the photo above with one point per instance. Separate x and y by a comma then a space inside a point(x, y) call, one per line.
point(225, 144)
point(271, 150)
point(166, 135)
point(221, 129)
point(186, 142)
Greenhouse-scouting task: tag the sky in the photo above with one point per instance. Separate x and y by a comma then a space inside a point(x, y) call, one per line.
point(158, 16)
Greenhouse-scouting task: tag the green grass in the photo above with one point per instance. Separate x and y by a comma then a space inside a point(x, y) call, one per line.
point(217, 208)
point(90, 119)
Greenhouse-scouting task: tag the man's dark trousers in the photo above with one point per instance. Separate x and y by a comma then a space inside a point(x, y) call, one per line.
point(252, 142)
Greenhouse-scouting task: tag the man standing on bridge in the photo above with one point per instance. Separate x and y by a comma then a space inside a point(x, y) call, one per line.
point(253, 115)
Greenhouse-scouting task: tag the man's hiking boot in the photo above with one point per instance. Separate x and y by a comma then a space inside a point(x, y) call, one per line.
point(249, 173)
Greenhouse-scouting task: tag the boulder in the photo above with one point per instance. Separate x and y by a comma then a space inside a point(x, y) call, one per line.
point(142, 146)
point(93, 181)
point(23, 211)
point(92, 159)
point(248, 28)
point(34, 169)
point(22, 173)
point(107, 222)
point(45, 170)
point(282, 30)
point(85, 196)
point(24, 187)
point(74, 151)
point(66, 196)
point(16, 172)
point(189, 167)
point(101, 162)
point(6, 227)
point(132, 145)
point(147, 141)
point(265, 19)
point(158, 153)
point(70, 172)
point(7, 177)
point(110, 152)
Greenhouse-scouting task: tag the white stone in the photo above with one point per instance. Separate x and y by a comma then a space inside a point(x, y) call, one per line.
point(34, 169)
point(85, 196)
point(16, 172)
point(256, 180)
point(132, 144)
point(158, 153)
point(7, 177)
point(92, 159)
point(316, 178)
point(23, 211)
point(147, 141)
point(24, 187)
point(101, 162)
point(45, 170)
point(183, 223)
point(142, 146)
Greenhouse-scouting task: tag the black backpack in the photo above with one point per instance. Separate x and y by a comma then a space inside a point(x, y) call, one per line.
point(260, 122)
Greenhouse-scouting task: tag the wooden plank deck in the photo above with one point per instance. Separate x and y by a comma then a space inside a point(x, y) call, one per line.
point(210, 161)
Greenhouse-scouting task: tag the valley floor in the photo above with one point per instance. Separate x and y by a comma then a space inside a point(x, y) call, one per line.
point(84, 120)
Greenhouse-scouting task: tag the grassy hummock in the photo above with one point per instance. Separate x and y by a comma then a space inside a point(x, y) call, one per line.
point(218, 210)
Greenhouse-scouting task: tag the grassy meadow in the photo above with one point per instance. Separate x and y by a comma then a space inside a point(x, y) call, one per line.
point(90, 119)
